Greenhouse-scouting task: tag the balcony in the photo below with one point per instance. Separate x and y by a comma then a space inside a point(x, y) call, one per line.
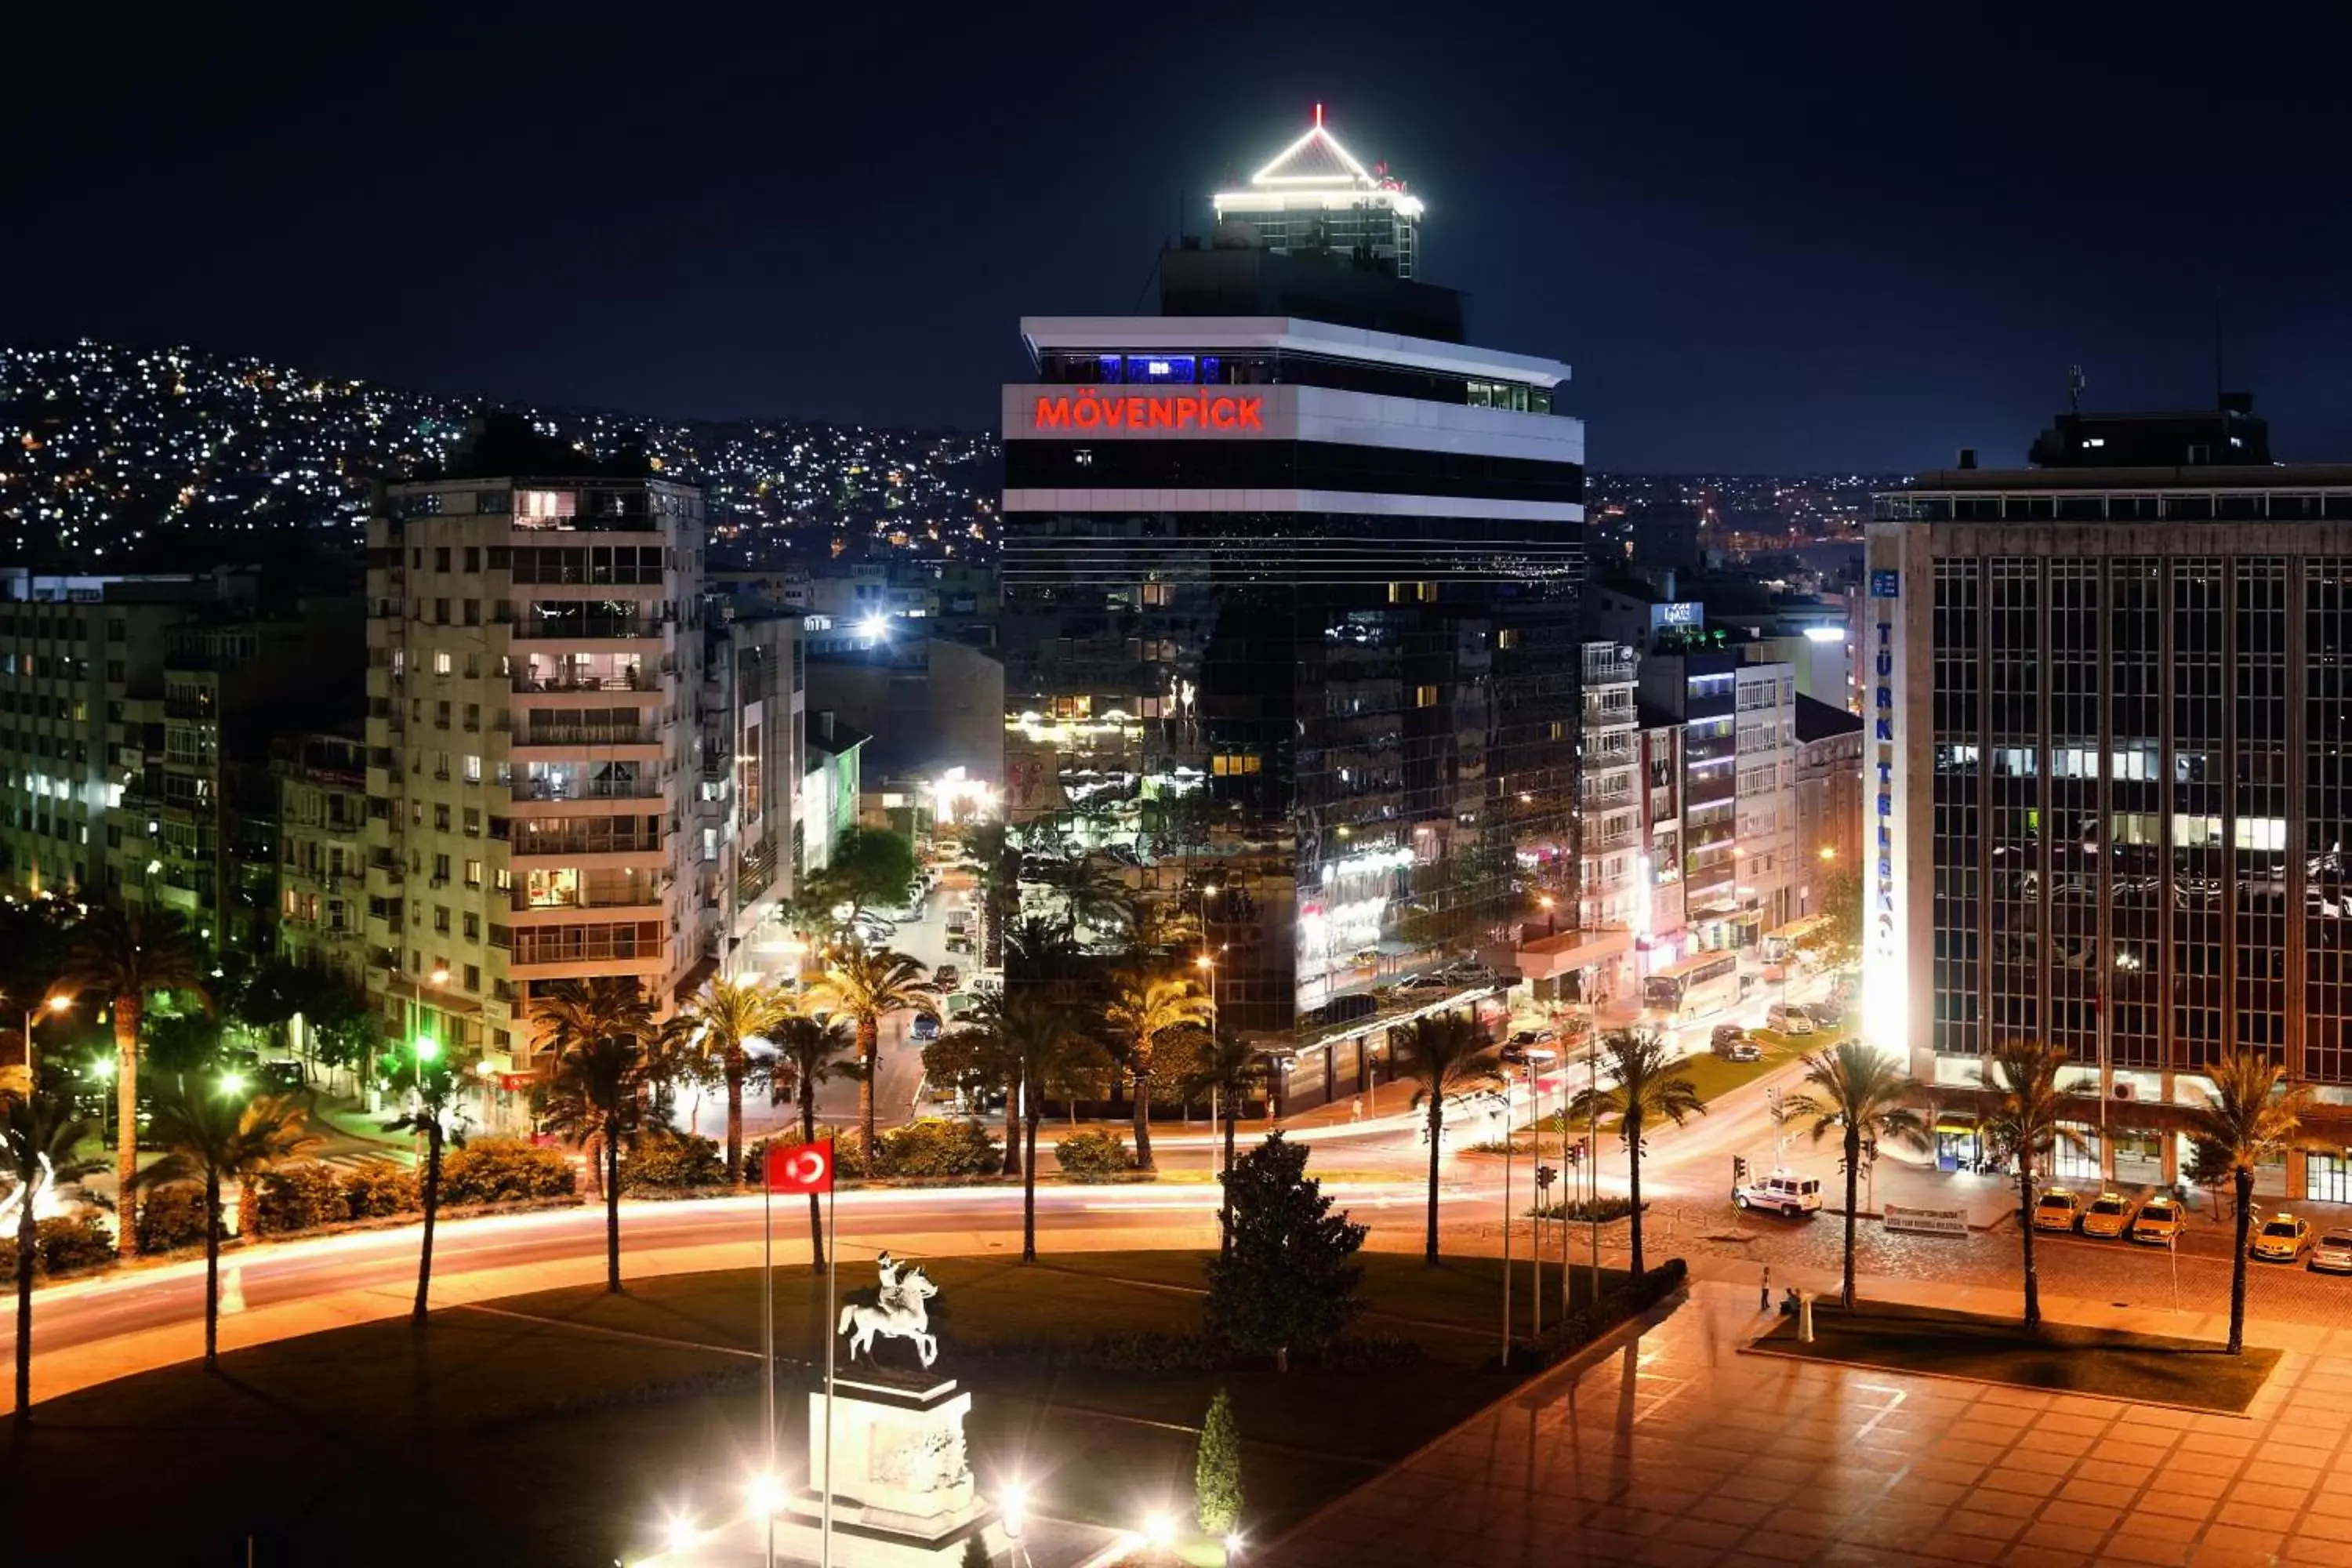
point(527, 789)
point(631, 681)
point(635, 840)
point(574, 628)
point(1615, 667)
point(545, 734)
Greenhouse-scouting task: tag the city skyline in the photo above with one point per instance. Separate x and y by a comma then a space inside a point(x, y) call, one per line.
point(1766, 245)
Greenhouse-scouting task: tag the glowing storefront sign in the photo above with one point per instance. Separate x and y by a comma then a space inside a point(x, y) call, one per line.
point(1086, 410)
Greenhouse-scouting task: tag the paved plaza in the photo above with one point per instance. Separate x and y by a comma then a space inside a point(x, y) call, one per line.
point(1675, 1449)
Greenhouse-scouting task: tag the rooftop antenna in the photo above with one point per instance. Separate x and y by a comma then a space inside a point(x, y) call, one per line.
point(2075, 382)
point(1319, 117)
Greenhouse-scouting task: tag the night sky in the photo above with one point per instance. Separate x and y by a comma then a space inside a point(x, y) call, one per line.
point(1783, 238)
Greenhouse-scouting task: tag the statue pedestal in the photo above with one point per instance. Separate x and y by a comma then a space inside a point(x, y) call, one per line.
point(899, 1464)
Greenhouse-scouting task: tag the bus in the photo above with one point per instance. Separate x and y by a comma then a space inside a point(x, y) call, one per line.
point(1703, 983)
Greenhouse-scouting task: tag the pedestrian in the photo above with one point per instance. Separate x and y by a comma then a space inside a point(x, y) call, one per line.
point(1764, 1296)
point(1356, 1108)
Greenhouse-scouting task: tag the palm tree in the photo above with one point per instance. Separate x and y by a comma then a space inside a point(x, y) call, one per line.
point(1091, 893)
point(2251, 1116)
point(1860, 1093)
point(2024, 1120)
point(1649, 1088)
point(596, 1096)
point(1450, 1055)
point(215, 1139)
point(1031, 1043)
point(37, 1139)
point(1145, 1009)
point(995, 866)
point(808, 1051)
point(1158, 924)
point(866, 983)
point(1228, 1071)
point(726, 1016)
point(428, 1077)
point(127, 958)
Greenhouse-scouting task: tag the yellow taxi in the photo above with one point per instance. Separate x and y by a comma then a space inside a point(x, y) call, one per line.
point(2056, 1209)
point(2109, 1215)
point(2282, 1238)
point(2159, 1220)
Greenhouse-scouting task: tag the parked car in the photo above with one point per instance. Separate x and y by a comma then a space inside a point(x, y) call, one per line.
point(1429, 983)
point(1468, 974)
point(1792, 1196)
point(1788, 1020)
point(1828, 1015)
point(2331, 1254)
point(2159, 1222)
point(946, 976)
point(926, 1027)
point(2283, 1239)
point(2108, 1216)
point(2056, 1209)
point(1521, 1050)
point(1731, 1042)
point(1541, 1034)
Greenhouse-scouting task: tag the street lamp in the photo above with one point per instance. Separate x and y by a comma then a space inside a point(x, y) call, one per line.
point(1545, 902)
point(56, 1001)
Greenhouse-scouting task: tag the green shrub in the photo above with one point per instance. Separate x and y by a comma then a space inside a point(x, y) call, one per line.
point(1092, 1156)
point(1581, 1211)
point(1217, 1470)
point(671, 1161)
point(64, 1244)
point(1595, 1318)
point(505, 1171)
point(171, 1217)
point(382, 1188)
point(939, 1148)
point(297, 1197)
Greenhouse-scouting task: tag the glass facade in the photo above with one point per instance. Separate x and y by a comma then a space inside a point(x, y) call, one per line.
point(2139, 803)
point(1360, 728)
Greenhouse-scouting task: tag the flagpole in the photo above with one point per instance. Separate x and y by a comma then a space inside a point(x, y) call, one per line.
point(768, 1340)
point(832, 1277)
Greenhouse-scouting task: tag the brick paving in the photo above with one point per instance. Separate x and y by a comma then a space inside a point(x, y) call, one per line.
point(1677, 1450)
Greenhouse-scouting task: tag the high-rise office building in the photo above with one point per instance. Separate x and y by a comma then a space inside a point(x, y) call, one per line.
point(535, 748)
point(2106, 796)
point(1290, 632)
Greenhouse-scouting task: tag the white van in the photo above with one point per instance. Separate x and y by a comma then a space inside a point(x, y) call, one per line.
point(1788, 1018)
point(1781, 1194)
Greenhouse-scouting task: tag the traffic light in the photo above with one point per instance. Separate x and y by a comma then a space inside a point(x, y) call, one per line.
point(1738, 1170)
point(1546, 1175)
point(1576, 1154)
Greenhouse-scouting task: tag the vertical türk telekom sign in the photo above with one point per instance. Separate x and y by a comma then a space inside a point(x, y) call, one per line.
point(1089, 409)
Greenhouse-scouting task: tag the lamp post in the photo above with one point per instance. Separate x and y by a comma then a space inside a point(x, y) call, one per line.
point(1545, 902)
point(57, 1002)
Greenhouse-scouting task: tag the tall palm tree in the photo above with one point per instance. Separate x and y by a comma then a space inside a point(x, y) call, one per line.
point(1033, 1044)
point(1449, 1054)
point(127, 958)
point(37, 1138)
point(1649, 1088)
point(1228, 1071)
point(1143, 1012)
point(866, 983)
point(426, 1074)
point(595, 1095)
point(1158, 924)
point(808, 1051)
point(726, 1016)
point(995, 864)
point(215, 1138)
point(2251, 1116)
point(1860, 1092)
point(2022, 1076)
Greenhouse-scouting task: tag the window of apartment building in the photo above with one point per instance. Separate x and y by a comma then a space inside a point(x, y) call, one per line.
point(473, 716)
point(473, 558)
point(473, 873)
point(474, 977)
point(115, 670)
point(441, 613)
point(502, 879)
point(441, 918)
point(441, 819)
point(473, 667)
point(1413, 592)
point(1230, 764)
point(440, 870)
point(441, 558)
point(473, 820)
point(473, 926)
point(1507, 637)
point(441, 715)
point(1425, 697)
point(1074, 707)
point(473, 768)
point(442, 663)
point(473, 612)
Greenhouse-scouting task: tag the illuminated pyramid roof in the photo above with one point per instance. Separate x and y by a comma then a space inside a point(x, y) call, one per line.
point(1317, 165)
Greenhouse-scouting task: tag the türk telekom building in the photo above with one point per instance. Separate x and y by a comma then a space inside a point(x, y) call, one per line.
point(1290, 624)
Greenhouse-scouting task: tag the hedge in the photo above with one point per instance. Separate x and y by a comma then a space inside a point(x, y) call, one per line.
point(380, 1189)
point(931, 1148)
point(171, 1217)
point(504, 1171)
point(1593, 1321)
point(670, 1161)
point(1093, 1155)
point(64, 1244)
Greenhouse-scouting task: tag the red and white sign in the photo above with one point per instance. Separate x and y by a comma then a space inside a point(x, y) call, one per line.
point(800, 1167)
point(1134, 411)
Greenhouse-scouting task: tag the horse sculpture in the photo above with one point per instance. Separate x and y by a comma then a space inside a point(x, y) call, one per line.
point(899, 1314)
point(35, 1191)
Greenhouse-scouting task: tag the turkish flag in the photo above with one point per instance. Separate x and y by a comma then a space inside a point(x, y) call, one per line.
point(800, 1167)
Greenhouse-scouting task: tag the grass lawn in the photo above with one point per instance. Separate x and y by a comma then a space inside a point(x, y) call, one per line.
point(565, 1426)
point(2061, 1357)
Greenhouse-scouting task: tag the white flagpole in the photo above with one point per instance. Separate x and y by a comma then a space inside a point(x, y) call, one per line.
point(767, 1342)
point(832, 1278)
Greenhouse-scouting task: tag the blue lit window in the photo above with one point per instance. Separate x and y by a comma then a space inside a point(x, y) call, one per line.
point(1211, 369)
point(1145, 368)
point(1108, 371)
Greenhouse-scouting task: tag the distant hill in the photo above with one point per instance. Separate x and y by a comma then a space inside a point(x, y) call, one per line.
point(107, 452)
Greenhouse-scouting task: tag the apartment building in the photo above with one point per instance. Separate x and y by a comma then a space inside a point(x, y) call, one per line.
point(321, 821)
point(535, 745)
